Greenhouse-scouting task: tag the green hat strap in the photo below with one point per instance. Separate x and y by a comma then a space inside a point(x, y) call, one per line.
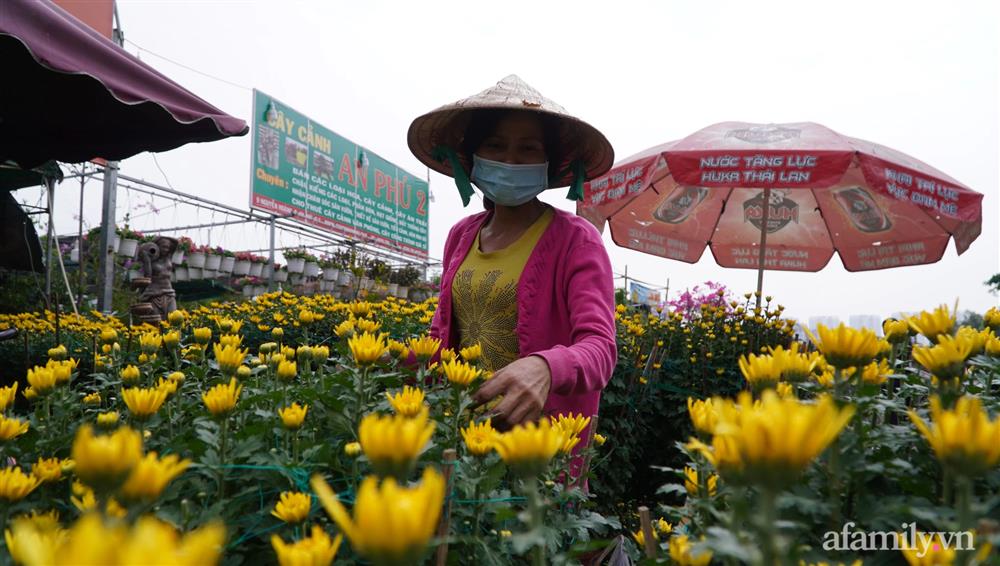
point(440, 153)
point(579, 177)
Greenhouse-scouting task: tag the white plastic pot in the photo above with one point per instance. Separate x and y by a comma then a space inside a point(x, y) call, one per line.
point(296, 265)
point(177, 258)
point(331, 274)
point(267, 271)
point(241, 267)
point(344, 278)
point(127, 247)
point(194, 273)
point(312, 269)
point(227, 264)
point(256, 269)
point(212, 262)
point(393, 288)
point(181, 273)
point(196, 260)
point(281, 276)
point(209, 273)
point(248, 290)
point(259, 289)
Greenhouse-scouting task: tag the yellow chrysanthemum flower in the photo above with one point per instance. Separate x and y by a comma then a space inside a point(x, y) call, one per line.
point(933, 324)
point(424, 347)
point(472, 353)
point(770, 442)
point(640, 538)
point(991, 319)
point(407, 403)
point(293, 507)
point(320, 354)
point(663, 527)
point(345, 328)
point(129, 374)
point(479, 438)
point(176, 318)
point(151, 475)
point(682, 552)
point(143, 403)
point(172, 339)
point(107, 420)
point(793, 365)
point(527, 449)
point(946, 360)
point(293, 416)
point(109, 335)
point(964, 438)
point(150, 342)
point(360, 309)
point(104, 461)
point(391, 524)
point(286, 370)
point(599, 439)
point(691, 484)
point(11, 428)
point(230, 358)
point(202, 335)
point(58, 353)
point(91, 541)
point(572, 427)
point(367, 325)
point(314, 550)
point(367, 348)
point(92, 399)
point(221, 399)
point(460, 374)
point(895, 331)
point(845, 347)
point(15, 485)
point(42, 380)
point(352, 449)
point(705, 413)
point(392, 443)
point(875, 373)
point(48, 469)
point(975, 338)
point(448, 355)
point(761, 372)
point(7, 396)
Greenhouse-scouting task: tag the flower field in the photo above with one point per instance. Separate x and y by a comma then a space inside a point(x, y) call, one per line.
point(306, 430)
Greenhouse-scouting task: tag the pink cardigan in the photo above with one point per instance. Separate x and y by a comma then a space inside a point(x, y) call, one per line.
point(565, 312)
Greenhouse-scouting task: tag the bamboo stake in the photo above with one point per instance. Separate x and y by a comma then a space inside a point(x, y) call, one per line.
point(445, 525)
point(647, 532)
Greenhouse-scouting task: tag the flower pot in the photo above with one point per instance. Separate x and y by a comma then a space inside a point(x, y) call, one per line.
point(248, 290)
point(281, 276)
point(393, 288)
point(194, 273)
point(241, 267)
point(177, 258)
point(74, 254)
point(296, 264)
point(402, 292)
point(227, 264)
point(181, 273)
point(127, 247)
point(256, 269)
point(296, 278)
point(196, 260)
point(212, 262)
point(344, 278)
point(207, 273)
point(133, 274)
point(312, 269)
point(116, 240)
point(366, 283)
point(267, 271)
point(259, 289)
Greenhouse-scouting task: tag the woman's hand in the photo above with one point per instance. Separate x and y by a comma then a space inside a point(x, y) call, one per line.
point(524, 384)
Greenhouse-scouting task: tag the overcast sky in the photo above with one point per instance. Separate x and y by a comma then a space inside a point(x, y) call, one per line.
point(920, 77)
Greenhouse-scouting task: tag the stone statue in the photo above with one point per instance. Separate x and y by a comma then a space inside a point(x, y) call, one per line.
point(158, 298)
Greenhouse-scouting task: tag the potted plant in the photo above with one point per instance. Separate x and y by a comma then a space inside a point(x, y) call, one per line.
point(242, 265)
point(268, 269)
point(256, 265)
point(228, 260)
point(296, 259)
point(184, 246)
point(404, 277)
point(280, 273)
point(212, 259)
point(196, 257)
point(331, 268)
point(129, 242)
point(181, 272)
point(312, 266)
point(246, 285)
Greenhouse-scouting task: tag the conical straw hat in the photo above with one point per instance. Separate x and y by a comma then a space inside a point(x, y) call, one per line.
point(446, 127)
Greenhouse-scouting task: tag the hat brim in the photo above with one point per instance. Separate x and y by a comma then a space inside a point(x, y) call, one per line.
point(446, 126)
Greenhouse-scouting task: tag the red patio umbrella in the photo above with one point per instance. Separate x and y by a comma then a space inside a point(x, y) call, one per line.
point(71, 94)
point(825, 192)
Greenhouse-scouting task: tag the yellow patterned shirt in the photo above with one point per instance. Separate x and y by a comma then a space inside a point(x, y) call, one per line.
point(484, 296)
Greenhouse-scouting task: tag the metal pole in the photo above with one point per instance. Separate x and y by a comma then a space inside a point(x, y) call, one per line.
point(79, 245)
point(763, 242)
point(50, 234)
point(106, 272)
point(270, 256)
point(628, 295)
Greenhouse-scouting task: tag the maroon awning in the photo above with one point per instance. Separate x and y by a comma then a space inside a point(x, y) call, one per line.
point(72, 95)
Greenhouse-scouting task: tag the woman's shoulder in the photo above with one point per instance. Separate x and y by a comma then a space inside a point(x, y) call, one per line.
point(575, 229)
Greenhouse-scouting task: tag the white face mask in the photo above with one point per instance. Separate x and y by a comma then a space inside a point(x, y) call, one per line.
point(509, 185)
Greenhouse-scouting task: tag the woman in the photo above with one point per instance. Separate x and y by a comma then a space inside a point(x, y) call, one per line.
point(530, 283)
